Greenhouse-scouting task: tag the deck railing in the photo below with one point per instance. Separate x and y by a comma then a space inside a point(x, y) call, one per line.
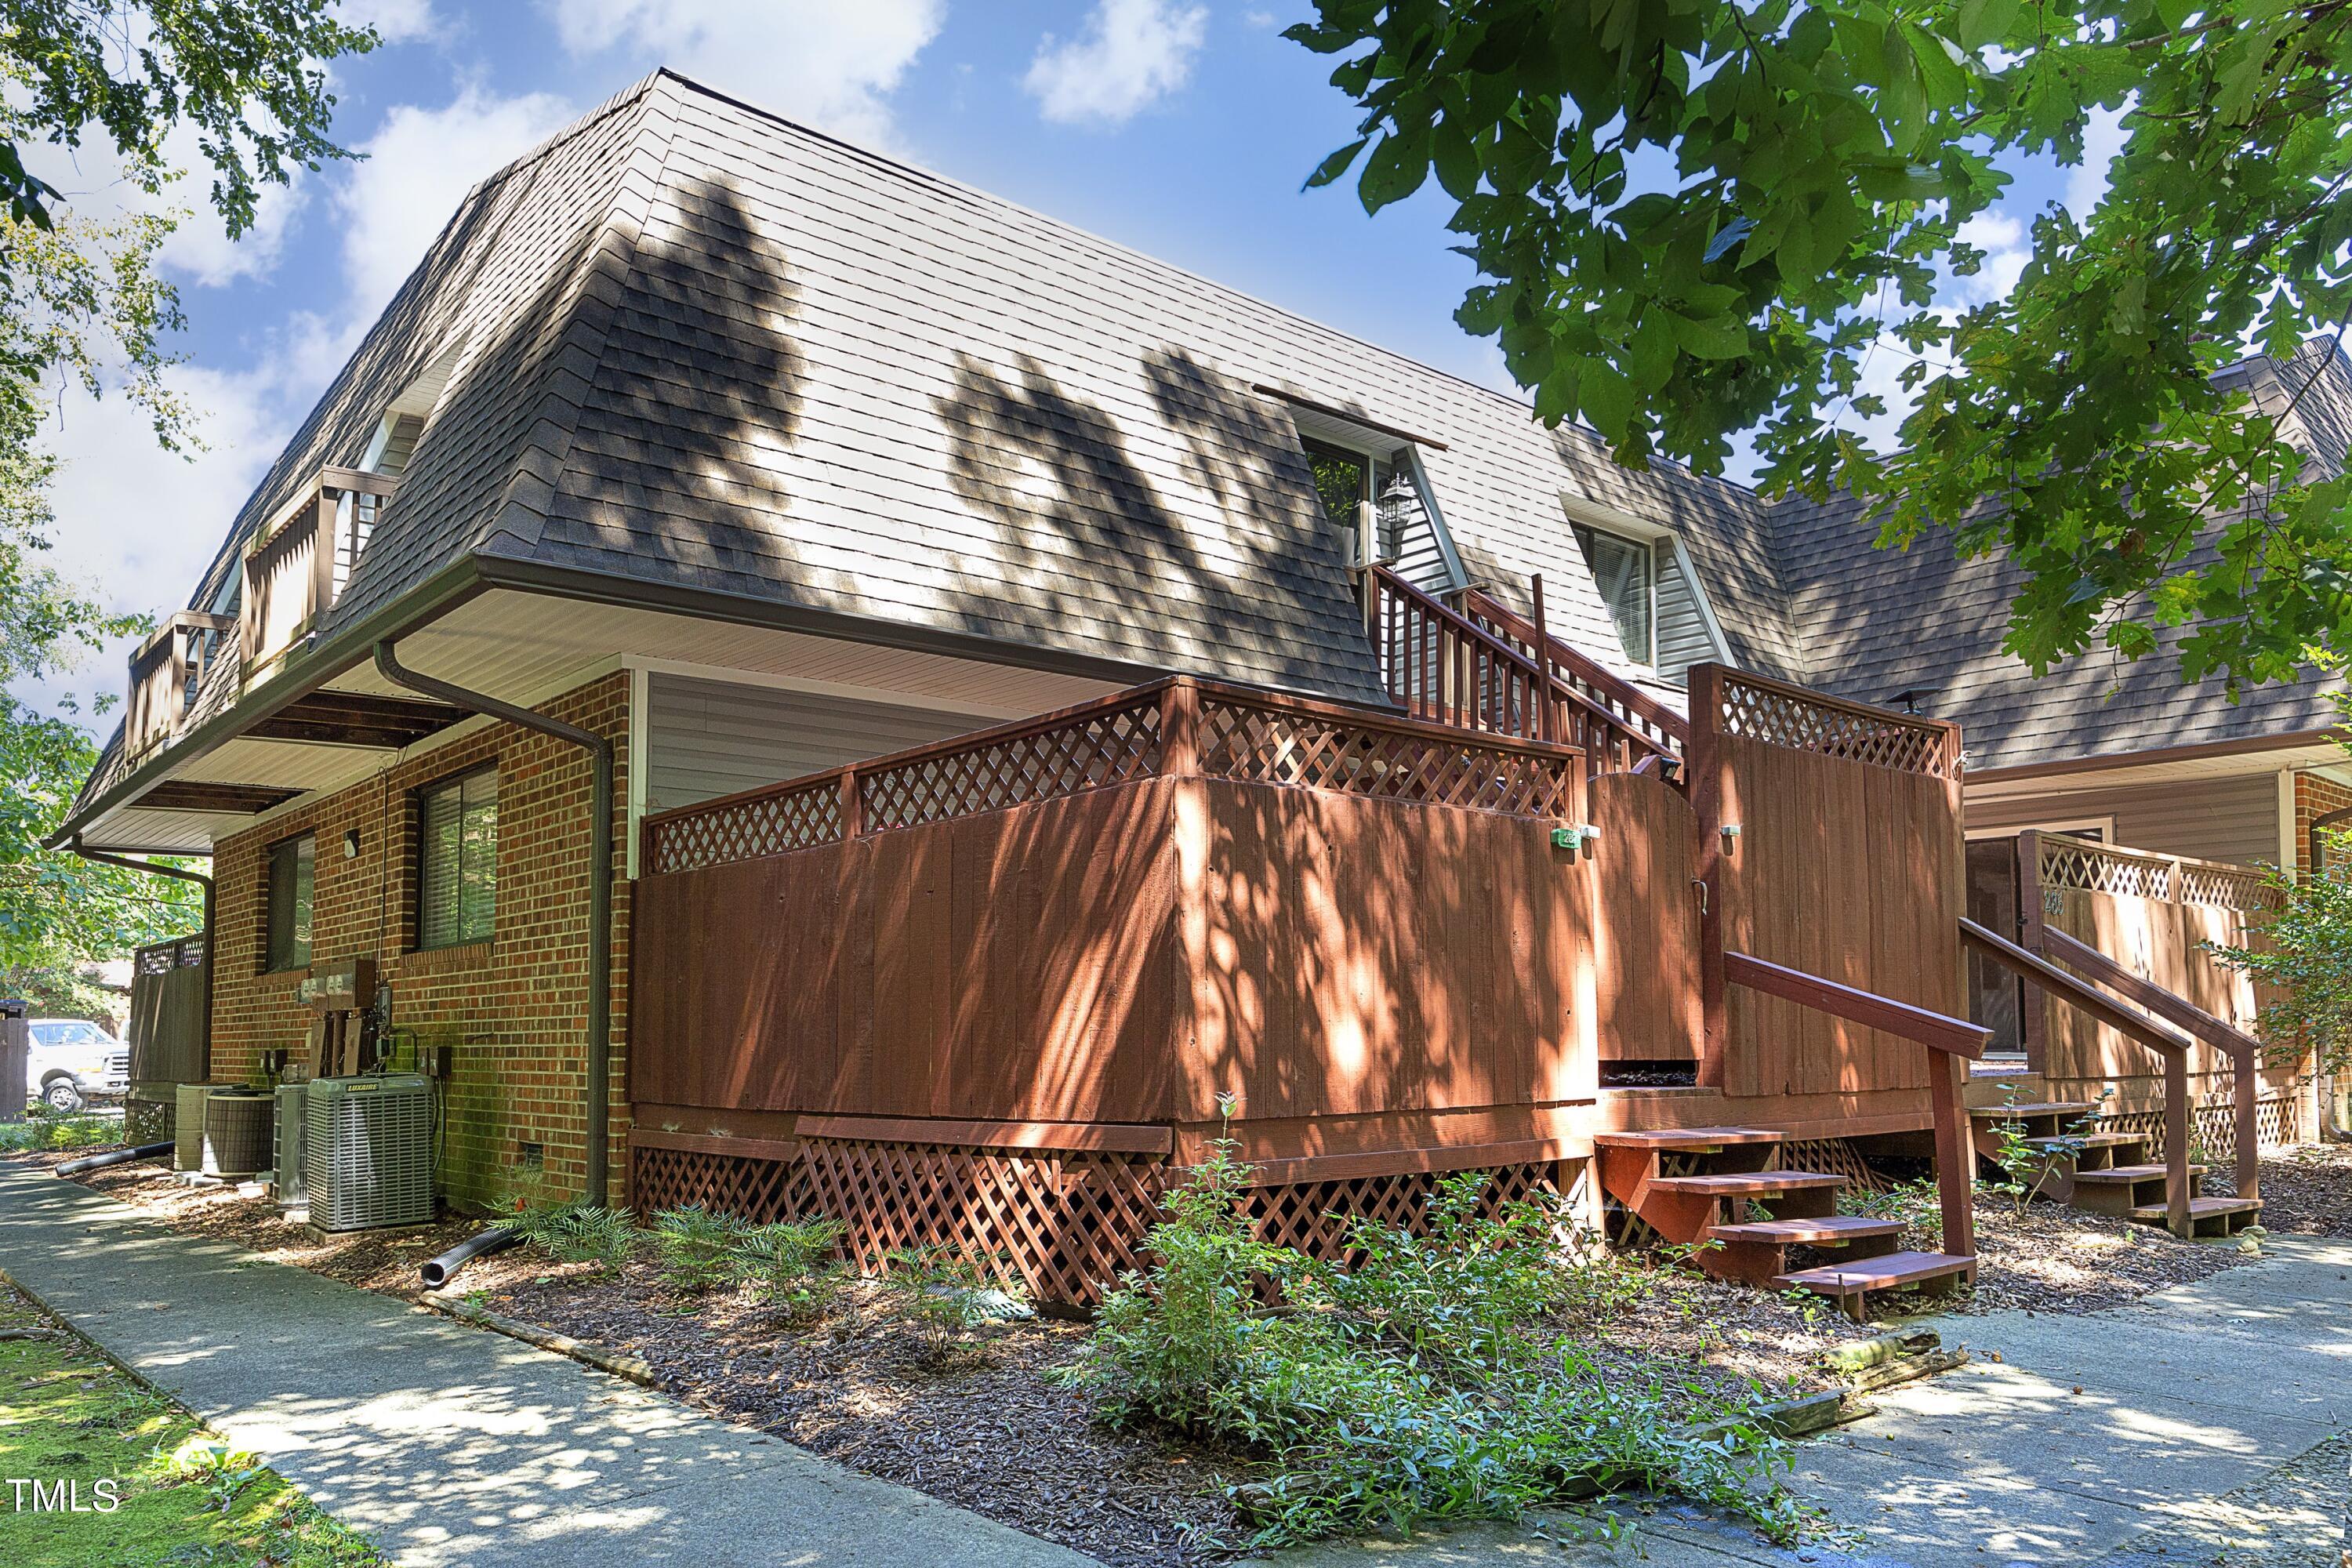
point(1176, 727)
point(1640, 725)
point(165, 671)
point(1443, 666)
point(296, 568)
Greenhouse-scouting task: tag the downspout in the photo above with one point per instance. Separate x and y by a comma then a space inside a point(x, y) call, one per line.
point(600, 885)
point(200, 879)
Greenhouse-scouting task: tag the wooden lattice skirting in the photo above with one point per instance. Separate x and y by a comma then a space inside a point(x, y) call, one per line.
point(1060, 1225)
point(2276, 1125)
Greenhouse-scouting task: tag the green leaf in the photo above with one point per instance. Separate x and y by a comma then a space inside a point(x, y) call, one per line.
point(1332, 167)
point(1982, 22)
point(1395, 170)
point(1608, 399)
point(1709, 337)
point(1456, 159)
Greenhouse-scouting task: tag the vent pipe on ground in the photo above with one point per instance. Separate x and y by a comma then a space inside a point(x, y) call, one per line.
point(600, 885)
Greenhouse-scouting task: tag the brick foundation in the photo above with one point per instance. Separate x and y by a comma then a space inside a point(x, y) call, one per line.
point(514, 1008)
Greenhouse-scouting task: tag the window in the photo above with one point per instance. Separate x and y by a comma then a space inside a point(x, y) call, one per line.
point(1626, 572)
point(1346, 482)
point(457, 859)
point(291, 868)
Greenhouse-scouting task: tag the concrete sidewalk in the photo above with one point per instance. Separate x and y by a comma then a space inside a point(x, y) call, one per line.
point(450, 1445)
point(2187, 1428)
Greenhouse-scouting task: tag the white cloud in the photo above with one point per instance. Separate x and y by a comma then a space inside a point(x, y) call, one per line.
point(395, 21)
point(2007, 250)
point(2103, 138)
point(828, 65)
point(1132, 53)
point(419, 164)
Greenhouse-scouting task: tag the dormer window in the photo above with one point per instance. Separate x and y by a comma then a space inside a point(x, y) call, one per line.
point(1351, 485)
point(1625, 571)
point(395, 438)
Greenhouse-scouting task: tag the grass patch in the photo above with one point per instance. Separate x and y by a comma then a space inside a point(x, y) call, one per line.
point(67, 1416)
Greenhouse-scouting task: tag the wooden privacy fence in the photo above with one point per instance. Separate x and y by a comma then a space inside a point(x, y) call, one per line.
point(1829, 845)
point(166, 1029)
point(969, 995)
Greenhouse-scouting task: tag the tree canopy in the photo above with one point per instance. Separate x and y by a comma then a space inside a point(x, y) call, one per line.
point(1694, 218)
point(82, 303)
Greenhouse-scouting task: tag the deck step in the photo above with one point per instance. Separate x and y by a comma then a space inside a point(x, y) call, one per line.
point(1896, 1269)
point(1829, 1230)
point(1748, 1184)
point(2122, 1175)
point(1669, 1140)
point(2199, 1208)
point(2019, 1112)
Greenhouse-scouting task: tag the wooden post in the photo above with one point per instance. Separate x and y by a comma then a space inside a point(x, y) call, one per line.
point(2249, 1084)
point(2176, 1142)
point(322, 555)
point(1955, 1155)
point(1705, 765)
point(852, 805)
point(1180, 729)
point(1543, 662)
point(2033, 1007)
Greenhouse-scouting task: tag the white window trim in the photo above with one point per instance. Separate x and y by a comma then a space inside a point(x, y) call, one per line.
point(1609, 519)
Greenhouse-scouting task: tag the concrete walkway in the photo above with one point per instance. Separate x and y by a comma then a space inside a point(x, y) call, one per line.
point(450, 1445)
point(2191, 1427)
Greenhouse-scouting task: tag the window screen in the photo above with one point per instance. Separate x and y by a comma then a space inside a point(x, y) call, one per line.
point(291, 866)
point(1625, 570)
point(457, 859)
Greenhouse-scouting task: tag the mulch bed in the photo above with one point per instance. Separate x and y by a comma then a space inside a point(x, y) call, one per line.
point(990, 1429)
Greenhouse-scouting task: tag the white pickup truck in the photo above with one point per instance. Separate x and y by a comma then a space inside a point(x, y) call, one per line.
point(73, 1061)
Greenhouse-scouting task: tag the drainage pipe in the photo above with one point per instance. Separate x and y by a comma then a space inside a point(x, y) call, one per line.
point(198, 877)
point(600, 884)
point(113, 1157)
point(439, 1271)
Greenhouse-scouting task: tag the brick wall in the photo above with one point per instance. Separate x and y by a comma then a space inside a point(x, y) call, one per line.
point(513, 1008)
point(2314, 797)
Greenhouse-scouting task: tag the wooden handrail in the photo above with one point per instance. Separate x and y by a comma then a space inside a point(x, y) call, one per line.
point(1936, 1031)
point(1950, 1041)
point(2173, 1049)
point(2243, 1051)
point(1638, 704)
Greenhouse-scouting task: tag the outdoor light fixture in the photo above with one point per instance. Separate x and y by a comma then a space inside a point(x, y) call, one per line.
point(1575, 837)
point(1731, 837)
point(350, 843)
point(1390, 516)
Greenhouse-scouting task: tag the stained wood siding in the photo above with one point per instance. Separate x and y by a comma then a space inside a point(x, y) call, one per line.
point(1126, 955)
point(1846, 870)
point(708, 737)
point(1646, 926)
point(2232, 818)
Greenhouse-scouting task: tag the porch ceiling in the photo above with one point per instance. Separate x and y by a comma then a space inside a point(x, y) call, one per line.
point(526, 647)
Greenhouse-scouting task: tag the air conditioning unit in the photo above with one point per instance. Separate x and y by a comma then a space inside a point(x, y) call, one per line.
point(188, 1125)
point(285, 1142)
point(367, 1150)
point(236, 1131)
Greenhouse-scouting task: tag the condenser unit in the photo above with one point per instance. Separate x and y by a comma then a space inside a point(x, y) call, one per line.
point(293, 1109)
point(367, 1150)
point(236, 1131)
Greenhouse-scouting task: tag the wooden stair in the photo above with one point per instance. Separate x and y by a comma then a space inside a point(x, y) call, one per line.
point(2118, 1173)
point(1700, 1187)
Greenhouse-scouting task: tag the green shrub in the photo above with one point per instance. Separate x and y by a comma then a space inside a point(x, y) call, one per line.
point(1425, 1377)
point(579, 1233)
point(790, 1264)
point(946, 1294)
point(44, 1129)
point(696, 1247)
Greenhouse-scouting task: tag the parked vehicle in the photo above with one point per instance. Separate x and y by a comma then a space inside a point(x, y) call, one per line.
point(73, 1061)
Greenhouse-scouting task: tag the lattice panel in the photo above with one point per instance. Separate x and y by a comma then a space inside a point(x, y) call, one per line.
point(1837, 1157)
point(745, 829)
point(1109, 747)
point(1313, 1218)
point(146, 1119)
point(759, 1190)
point(1264, 745)
point(2080, 863)
point(2227, 887)
point(1833, 729)
point(1060, 1225)
point(2276, 1126)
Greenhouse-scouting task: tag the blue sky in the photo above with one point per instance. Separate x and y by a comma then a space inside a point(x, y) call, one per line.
point(1182, 128)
